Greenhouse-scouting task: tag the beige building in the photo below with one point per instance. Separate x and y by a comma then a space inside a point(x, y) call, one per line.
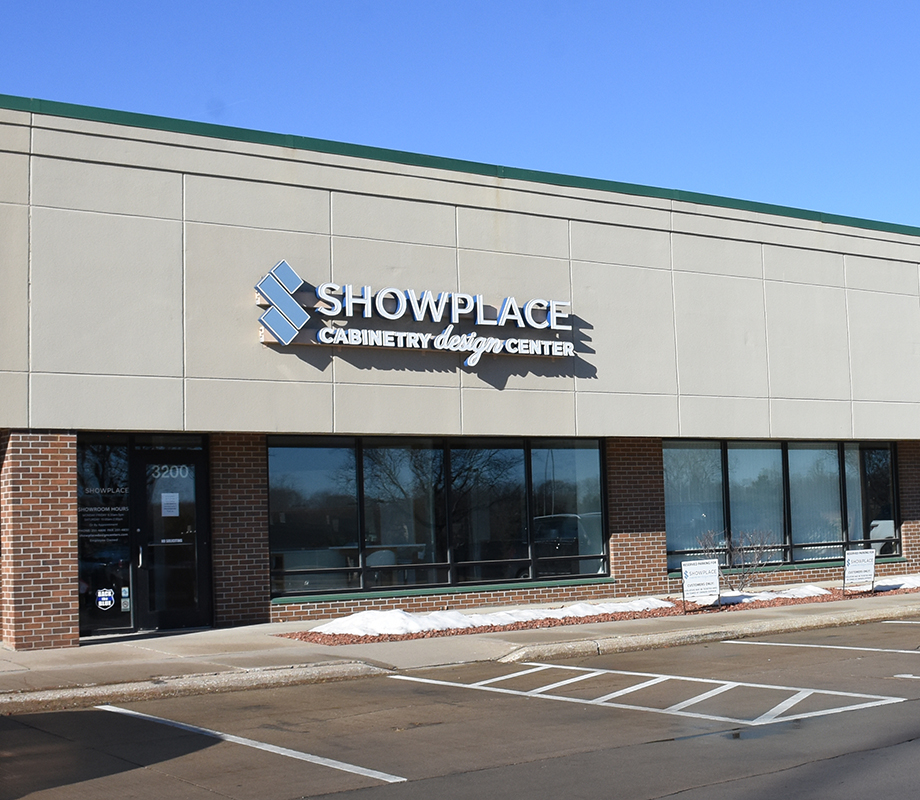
point(247, 376)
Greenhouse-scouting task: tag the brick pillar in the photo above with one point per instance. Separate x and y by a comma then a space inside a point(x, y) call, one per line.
point(909, 499)
point(38, 539)
point(239, 521)
point(635, 502)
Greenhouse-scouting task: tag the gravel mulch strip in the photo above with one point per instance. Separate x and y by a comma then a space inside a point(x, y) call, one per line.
point(677, 609)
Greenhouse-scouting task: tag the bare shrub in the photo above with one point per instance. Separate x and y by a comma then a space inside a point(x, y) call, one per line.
point(741, 557)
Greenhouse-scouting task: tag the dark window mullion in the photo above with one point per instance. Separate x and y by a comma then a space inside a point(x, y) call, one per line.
point(362, 532)
point(446, 453)
point(726, 502)
point(529, 508)
point(788, 549)
point(842, 480)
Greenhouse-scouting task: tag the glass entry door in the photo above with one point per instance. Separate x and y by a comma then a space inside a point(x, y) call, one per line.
point(171, 539)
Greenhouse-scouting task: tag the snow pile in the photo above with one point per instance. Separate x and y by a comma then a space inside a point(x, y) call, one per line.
point(390, 623)
point(399, 623)
point(893, 583)
point(731, 598)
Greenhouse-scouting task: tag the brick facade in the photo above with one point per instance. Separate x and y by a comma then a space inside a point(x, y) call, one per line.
point(38, 539)
point(635, 509)
point(439, 601)
point(638, 545)
point(39, 601)
point(239, 528)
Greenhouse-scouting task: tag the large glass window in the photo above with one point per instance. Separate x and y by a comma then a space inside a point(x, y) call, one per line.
point(693, 498)
point(488, 510)
point(755, 472)
point(567, 524)
point(814, 502)
point(104, 534)
point(790, 501)
point(404, 513)
point(353, 514)
point(870, 498)
point(313, 524)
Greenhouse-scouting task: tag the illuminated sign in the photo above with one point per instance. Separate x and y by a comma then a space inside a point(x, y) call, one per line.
point(336, 306)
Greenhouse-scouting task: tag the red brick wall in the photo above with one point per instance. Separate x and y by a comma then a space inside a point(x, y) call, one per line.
point(635, 508)
point(38, 539)
point(563, 595)
point(909, 496)
point(239, 524)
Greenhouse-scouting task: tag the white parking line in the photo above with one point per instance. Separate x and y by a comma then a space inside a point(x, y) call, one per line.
point(775, 714)
point(823, 647)
point(566, 682)
point(270, 748)
point(788, 703)
point(701, 697)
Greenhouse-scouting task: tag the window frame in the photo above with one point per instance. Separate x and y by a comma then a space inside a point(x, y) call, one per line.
point(361, 577)
point(789, 544)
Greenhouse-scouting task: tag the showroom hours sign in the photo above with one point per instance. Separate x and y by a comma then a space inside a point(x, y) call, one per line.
point(408, 319)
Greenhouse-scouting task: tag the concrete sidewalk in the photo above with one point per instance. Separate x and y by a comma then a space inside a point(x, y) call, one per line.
point(199, 662)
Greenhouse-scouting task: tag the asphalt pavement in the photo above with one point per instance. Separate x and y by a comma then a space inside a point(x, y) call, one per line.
point(120, 668)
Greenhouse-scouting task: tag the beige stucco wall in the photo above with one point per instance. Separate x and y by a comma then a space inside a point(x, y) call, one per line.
point(129, 258)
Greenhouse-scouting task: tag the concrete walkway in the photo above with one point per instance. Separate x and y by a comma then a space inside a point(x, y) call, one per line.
point(136, 667)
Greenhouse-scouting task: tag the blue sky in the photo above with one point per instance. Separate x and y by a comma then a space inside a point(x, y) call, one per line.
point(804, 104)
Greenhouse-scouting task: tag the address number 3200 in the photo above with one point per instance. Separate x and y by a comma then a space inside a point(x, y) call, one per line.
point(169, 470)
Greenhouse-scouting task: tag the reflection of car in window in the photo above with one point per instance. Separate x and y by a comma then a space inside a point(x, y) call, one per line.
point(881, 532)
point(561, 535)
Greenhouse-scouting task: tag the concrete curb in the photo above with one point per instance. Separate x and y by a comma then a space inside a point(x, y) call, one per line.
point(718, 629)
point(183, 686)
point(653, 641)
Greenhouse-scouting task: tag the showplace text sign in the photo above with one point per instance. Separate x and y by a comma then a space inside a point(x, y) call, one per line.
point(337, 304)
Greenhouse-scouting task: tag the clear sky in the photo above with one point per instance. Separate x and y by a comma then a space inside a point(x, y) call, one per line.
point(804, 103)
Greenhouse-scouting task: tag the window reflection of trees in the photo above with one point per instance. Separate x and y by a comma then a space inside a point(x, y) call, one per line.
point(488, 504)
point(768, 480)
point(102, 466)
point(404, 499)
point(311, 513)
point(419, 498)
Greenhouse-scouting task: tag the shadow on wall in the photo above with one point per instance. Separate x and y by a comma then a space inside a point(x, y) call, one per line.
point(494, 369)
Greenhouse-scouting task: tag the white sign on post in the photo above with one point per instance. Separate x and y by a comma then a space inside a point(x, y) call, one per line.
point(859, 567)
point(700, 578)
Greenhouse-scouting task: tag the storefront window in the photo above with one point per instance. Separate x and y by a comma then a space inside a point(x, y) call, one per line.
point(814, 502)
point(783, 501)
point(870, 498)
point(404, 512)
point(755, 473)
point(313, 527)
point(376, 513)
point(693, 501)
point(104, 536)
point(488, 505)
point(567, 520)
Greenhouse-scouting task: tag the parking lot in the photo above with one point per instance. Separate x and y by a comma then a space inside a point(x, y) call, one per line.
point(828, 710)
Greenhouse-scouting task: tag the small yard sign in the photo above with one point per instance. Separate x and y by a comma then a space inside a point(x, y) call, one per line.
point(859, 567)
point(700, 579)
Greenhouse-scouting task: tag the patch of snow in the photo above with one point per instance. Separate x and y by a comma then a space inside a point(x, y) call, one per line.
point(388, 623)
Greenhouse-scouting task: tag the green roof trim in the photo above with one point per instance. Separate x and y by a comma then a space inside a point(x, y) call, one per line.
point(149, 121)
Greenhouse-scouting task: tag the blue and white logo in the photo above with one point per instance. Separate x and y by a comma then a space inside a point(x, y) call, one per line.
point(286, 316)
point(105, 598)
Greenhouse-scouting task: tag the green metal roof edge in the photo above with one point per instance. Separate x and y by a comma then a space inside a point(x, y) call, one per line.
point(149, 121)
point(437, 590)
